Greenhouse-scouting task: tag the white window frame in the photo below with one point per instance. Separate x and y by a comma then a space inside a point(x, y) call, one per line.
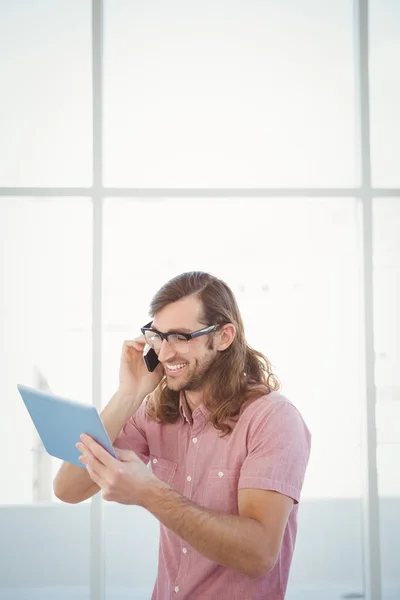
point(365, 192)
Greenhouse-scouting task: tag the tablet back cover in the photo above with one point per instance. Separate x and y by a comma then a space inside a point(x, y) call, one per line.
point(60, 422)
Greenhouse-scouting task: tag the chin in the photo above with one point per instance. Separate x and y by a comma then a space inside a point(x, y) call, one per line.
point(175, 386)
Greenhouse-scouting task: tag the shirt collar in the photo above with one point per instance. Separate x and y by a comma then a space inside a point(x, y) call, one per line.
point(185, 411)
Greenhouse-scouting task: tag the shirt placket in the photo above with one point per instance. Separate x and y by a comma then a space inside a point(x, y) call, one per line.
point(190, 482)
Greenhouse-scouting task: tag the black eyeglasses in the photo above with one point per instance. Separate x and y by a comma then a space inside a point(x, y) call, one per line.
point(178, 340)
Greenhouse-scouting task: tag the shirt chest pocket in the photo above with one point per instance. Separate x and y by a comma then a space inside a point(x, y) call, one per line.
point(163, 469)
point(221, 490)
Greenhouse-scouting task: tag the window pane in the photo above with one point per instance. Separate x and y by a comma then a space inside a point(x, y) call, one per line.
point(387, 352)
point(385, 91)
point(45, 341)
point(45, 116)
point(45, 312)
point(229, 94)
point(298, 291)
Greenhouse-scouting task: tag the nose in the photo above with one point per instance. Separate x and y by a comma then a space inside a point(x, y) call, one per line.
point(166, 352)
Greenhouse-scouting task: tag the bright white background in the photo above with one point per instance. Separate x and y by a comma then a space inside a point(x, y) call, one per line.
point(217, 97)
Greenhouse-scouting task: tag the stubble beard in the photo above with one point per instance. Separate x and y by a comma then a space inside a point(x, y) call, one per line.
point(196, 380)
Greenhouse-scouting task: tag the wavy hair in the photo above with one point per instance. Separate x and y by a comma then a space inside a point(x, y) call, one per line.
point(237, 375)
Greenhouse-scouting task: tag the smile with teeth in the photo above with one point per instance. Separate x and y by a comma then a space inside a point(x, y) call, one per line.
point(176, 368)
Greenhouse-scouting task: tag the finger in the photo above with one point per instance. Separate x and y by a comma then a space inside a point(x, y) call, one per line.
point(128, 344)
point(90, 460)
point(91, 471)
point(98, 451)
point(125, 455)
point(136, 344)
point(86, 453)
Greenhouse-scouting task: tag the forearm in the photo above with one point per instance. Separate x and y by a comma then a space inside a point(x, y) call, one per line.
point(229, 540)
point(72, 483)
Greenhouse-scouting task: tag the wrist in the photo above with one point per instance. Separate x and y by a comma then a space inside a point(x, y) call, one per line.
point(126, 403)
point(128, 397)
point(153, 494)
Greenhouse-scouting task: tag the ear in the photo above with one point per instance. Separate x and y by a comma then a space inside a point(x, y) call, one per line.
point(225, 337)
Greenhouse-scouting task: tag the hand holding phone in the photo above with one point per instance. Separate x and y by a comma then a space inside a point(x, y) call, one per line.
point(138, 375)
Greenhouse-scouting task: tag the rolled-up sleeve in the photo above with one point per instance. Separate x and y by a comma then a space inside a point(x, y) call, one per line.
point(133, 435)
point(279, 445)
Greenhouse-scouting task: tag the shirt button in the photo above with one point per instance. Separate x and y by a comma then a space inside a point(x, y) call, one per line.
point(177, 588)
point(184, 550)
point(189, 478)
point(155, 460)
point(194, 440)
point(220, 474)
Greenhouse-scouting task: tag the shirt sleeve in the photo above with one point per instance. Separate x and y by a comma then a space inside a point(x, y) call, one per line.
point(279, 445)
point(133, 435)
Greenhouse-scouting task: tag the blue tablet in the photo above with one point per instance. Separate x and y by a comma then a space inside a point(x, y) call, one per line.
point(60, 423)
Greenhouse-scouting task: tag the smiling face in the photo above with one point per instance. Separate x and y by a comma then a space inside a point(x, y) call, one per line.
point(185, 370)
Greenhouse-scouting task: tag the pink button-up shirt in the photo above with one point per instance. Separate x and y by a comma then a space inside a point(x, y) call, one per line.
point(268, 449)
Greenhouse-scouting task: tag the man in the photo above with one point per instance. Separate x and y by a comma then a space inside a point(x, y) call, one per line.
point(228, 452)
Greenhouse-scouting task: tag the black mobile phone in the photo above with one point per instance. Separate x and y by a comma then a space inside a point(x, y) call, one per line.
point(150, 358)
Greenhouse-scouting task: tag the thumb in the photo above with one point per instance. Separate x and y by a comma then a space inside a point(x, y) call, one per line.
point(124, 455)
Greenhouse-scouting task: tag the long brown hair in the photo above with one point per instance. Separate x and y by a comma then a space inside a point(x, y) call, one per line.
point(237, 374)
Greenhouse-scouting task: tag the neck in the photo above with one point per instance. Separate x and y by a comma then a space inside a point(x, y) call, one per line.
point(194, 399)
